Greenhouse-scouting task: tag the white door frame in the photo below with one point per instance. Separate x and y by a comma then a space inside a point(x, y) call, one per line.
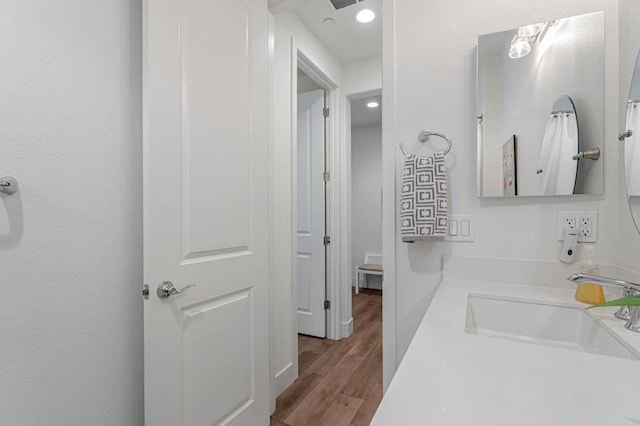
point(335, 196)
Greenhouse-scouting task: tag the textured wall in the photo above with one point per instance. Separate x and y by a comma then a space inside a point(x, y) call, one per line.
point(71, 238)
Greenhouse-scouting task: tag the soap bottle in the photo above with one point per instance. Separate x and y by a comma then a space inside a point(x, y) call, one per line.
point(590, 293)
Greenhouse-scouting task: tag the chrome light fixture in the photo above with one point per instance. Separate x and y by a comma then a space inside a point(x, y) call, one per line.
point(520, 47)
point(531, 30)
point(526, 37)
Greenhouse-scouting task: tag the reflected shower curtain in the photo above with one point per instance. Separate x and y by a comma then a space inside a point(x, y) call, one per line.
point(632, 151)
point(557, 168)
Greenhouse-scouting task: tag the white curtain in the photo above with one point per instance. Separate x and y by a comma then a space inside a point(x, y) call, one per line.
point(632, 151)
point(557, 169)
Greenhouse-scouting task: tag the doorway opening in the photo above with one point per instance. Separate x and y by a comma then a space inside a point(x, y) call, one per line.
point(336, 335)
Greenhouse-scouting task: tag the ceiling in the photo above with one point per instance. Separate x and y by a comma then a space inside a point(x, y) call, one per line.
point(347, 39)
point(361, 115)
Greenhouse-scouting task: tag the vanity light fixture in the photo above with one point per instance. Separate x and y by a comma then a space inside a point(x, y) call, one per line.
point(520, 47)
point(364, 16)
point(373, 104)
point(526, 37)
point(531, 30)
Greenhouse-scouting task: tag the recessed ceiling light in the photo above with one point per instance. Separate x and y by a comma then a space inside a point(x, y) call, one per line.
point(365, 16)
point(329, 21)
point(373, 104)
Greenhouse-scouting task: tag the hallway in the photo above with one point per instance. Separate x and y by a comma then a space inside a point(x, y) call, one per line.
point(340, 382)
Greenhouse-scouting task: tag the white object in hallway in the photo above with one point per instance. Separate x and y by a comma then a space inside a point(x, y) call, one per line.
point(372, 266)
point(205, 212)
point(311, 215)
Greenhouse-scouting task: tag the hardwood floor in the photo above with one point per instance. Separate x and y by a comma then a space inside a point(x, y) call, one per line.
point(340, 382)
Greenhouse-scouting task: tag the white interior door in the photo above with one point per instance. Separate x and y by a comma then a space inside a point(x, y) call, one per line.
point(311, 215)
point(205, 212)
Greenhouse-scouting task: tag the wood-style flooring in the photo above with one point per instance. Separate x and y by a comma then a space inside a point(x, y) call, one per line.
point(340, 382)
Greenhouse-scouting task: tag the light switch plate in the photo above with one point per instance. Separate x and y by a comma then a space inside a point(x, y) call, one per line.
point(586, 222)
point(460, 228)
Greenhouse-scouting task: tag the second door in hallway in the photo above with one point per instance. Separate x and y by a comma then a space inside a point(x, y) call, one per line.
point(311, 214)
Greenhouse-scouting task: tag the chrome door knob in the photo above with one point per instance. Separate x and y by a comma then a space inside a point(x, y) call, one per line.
point(166, 289)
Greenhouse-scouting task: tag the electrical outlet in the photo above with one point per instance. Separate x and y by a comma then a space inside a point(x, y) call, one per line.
point(585, 222)
point(566, 220)
point(570, 221)
point(587, 227)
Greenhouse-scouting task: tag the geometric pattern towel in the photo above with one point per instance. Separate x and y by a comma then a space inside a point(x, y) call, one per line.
point(423, 201)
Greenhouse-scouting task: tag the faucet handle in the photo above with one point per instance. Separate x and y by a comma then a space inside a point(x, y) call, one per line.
point(633, 323)
point(624, 313)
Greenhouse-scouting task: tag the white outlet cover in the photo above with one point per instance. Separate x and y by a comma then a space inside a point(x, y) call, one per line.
point(562, 220)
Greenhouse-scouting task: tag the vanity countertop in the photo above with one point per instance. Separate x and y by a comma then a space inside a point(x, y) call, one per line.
point(449, 377)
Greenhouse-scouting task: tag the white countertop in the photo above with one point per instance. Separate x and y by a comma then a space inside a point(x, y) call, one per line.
point(449, 377)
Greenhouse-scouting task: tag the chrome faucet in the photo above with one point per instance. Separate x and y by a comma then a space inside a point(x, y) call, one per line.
point(630, 314)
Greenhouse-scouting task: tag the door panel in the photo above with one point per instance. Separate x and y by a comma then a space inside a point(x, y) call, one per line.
point(215, 125)
point(311, 214)
point(205, 328)
point(205, 211)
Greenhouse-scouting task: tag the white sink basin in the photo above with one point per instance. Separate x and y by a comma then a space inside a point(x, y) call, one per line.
point(554, 324)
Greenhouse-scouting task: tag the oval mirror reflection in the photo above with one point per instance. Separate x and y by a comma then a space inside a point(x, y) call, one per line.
point(632, 145)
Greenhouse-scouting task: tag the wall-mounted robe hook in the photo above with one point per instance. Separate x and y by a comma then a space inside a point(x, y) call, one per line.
point(8, 185)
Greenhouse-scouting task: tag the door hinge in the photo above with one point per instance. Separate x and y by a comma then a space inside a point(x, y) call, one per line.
point(326, 176)
point(145, 291)
point(327, 305)
point(326, 240)
point(325, 112)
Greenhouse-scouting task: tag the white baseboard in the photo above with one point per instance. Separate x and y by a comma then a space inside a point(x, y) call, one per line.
point(346, 328)
point(285, 378)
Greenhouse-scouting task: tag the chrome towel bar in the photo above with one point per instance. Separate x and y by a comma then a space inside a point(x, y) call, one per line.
point(424, 136)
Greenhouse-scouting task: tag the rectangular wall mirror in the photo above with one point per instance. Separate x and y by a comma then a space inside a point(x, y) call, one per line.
point(540, 111)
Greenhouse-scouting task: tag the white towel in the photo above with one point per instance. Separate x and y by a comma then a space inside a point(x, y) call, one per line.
point(423, 202)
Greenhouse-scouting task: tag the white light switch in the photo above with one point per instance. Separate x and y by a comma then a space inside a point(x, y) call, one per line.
point(453, 227)
point(460, 228)
point(465, 228)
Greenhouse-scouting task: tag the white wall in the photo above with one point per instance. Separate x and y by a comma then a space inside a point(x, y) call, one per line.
point(524, 90)
point(290, 34)
point(71, 238)
point(362, 76)
point(366, 186)
point(429, 83)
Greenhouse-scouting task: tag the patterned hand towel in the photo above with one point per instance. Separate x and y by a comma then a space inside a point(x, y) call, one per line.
point(423, 203)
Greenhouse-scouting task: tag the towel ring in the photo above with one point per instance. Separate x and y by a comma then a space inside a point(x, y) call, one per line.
point(424, 136)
